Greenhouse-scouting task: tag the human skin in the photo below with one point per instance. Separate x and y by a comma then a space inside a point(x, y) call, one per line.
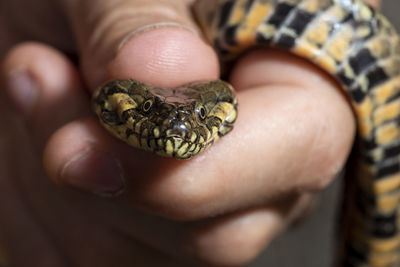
point(72, 195)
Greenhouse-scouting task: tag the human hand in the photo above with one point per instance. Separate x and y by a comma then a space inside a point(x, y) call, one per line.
point(292, 137)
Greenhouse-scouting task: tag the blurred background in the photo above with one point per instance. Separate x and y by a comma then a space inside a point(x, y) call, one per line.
point(310, 243)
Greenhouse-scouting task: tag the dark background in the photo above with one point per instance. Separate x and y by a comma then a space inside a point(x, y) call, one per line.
point(310, 244)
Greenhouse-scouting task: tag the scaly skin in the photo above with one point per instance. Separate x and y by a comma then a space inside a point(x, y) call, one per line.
point(179, 122)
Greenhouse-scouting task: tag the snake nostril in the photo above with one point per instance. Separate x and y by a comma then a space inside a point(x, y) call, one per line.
point(178, 129)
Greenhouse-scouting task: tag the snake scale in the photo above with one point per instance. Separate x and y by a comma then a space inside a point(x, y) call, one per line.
point(346, 38)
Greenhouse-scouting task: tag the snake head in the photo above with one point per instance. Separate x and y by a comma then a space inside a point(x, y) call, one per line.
point(179, 122)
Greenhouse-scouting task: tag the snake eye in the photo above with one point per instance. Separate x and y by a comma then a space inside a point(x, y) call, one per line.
point(202, 112)
point(147, 105)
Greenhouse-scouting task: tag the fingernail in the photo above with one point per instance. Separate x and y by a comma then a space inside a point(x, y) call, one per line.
point(154, 26)
point(96, 172)
point(22, 89)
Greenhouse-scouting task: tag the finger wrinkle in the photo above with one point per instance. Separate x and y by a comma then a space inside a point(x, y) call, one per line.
point(154, 26)
point(116, 25)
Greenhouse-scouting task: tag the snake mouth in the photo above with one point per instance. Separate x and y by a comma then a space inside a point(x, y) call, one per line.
point(180, 142)
point(177, 147)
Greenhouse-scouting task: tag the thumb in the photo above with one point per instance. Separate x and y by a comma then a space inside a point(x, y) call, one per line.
point(155, 41)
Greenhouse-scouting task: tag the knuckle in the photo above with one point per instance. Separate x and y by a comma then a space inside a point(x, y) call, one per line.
point(328, 145)
point(232, 242)
point(187, 204)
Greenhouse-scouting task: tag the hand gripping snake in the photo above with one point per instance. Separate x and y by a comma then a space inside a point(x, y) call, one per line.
point(346, 38)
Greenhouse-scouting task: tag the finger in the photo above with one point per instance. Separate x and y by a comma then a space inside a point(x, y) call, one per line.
point(47, 92)
point(153, 41)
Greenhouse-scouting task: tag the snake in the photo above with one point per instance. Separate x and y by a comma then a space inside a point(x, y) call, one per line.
point(180, 122)
point(349, 40)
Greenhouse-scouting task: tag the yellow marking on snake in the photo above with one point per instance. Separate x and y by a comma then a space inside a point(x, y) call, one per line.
point(248, 28)
point(387, 90)
point(387, 133)
point(388, 203)
point(386, 185)
point(387, 112)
